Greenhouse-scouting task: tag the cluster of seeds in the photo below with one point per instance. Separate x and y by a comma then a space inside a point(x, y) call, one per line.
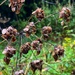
point(30, 29)
point(25, 48)
point(39, 13)
point(7, 60)
point(9, 33)
point(20, 72)
point(58, 52)
point(36, 64)
point(16, 5)
point(9, 51)
point(65, 13)
point(37, 45)
point(46, 30)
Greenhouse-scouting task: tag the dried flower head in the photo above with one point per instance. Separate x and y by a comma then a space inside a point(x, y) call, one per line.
point(46, 30)
point(36, 45)
point(39, 13)
point(9, 33)
point(25, 48)
point(36, 64)
point(20, 72)
point(30, 29)
point(65, 13)
point(9, 51)
point(16, 5)
point(40, 40)
point(7, 60)
point(58, 51)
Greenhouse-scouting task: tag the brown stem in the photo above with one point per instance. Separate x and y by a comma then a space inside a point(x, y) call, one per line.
point(30, 18)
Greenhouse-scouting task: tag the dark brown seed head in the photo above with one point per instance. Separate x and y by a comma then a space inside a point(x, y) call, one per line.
point(36, 64)
point(9, 51)
point(7, 60)
point(39, 40)
point(46, 30)
point(20, 72)
point(39, 13)
point(9, 33)
point(58, 51)
point(30, 29)
point(25, 48)
point(16, 5)
point(36, 45)
point(64, 13)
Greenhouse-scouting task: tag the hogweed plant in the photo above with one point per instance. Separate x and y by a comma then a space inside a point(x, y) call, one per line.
point(32, 62)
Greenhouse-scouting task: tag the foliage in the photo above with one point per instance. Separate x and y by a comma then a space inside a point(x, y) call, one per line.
point(61, 34)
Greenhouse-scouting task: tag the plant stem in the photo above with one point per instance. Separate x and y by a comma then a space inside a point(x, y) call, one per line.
point(51, 67)
point(30, 18)
point(3, 2)
point(27, 68)
point(2, 41)
point(20, 50)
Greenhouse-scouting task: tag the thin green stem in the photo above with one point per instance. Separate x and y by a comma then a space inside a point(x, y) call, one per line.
point(51, 67)
point(2, 41)
point(30, 18)
point(27, 68)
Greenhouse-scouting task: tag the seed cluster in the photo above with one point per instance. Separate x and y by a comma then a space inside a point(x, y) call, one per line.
point(36, 64)
point(39, 13)
point(20, 72)
point(37, 45)
point(7, 60)
point(16, 5)
point(46, 30)
point(25, 48)
point(65, 13)
point(9, 33)
point(30, 29)
point(9, 51)
point(58, 52)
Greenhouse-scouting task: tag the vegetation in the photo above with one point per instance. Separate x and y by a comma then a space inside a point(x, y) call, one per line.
point(37, 37)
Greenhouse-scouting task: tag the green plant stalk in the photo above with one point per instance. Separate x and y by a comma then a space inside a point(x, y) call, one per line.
point(51, 67)
point(2, 41)
point(27, 68)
